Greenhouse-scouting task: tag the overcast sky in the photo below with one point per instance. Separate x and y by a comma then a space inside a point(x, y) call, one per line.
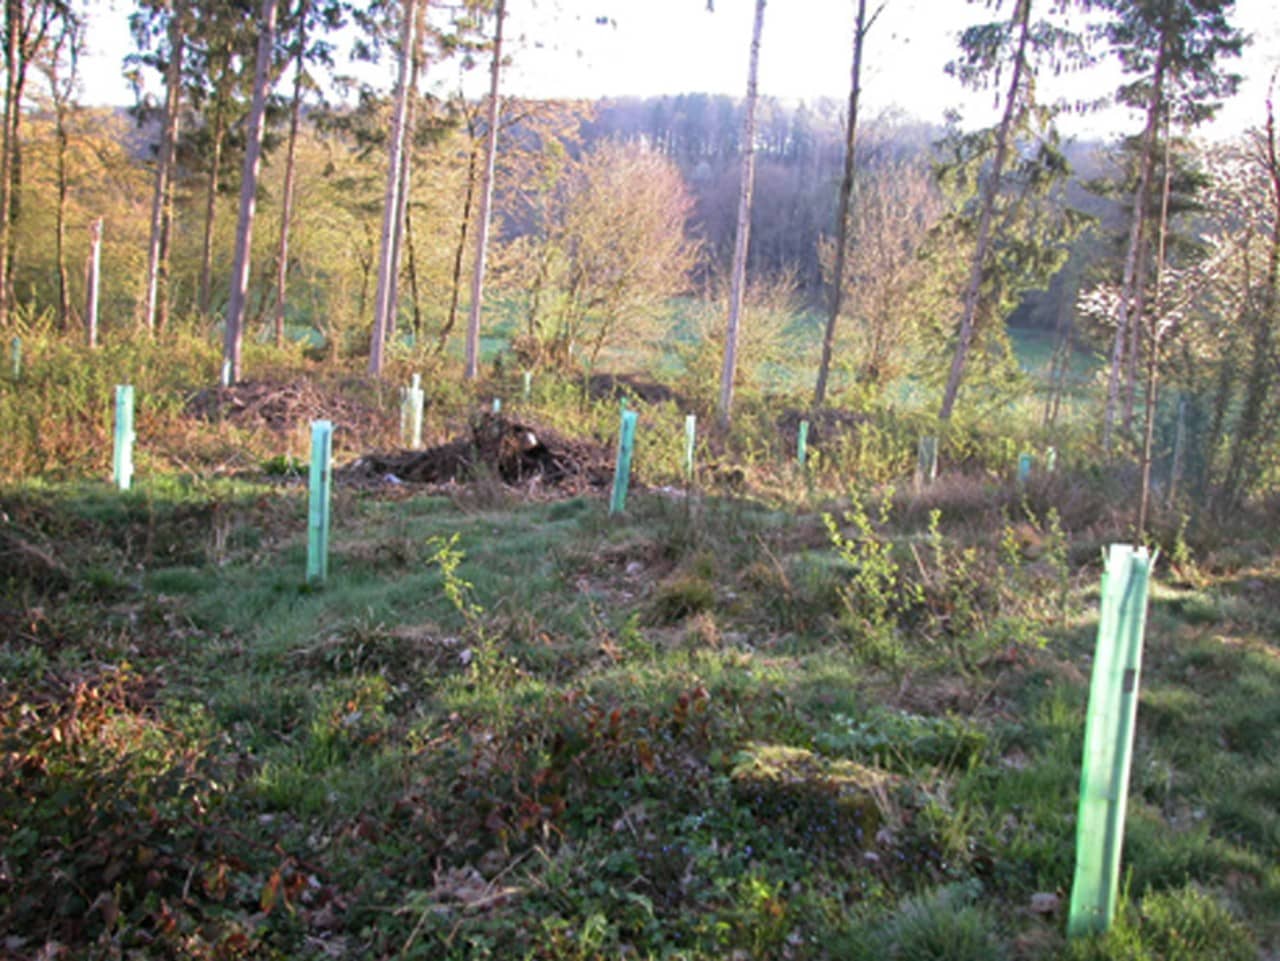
point(677, 46)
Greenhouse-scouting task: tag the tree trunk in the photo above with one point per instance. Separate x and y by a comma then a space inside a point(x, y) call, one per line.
point(1224, 393)
point(842, 214)
point(1148, 436)
point(460, 249)
point(402, 225)
point(1133, 354)
point(365, 257)
point(486, 197)
point(406, 181)
point(990, 190)
point(1153, 346)
point(166, 246)
point(15, 176)
point(738, 282)
point(60, 215)
point(234, 332)
point(211, 210)
point(391, 202)
point(414, 301)
point(92, 269)
point(1060, 366)
point(1131, 277)
point(31, 24)
point(290, 173)
point(164, 165)
point(12, 111)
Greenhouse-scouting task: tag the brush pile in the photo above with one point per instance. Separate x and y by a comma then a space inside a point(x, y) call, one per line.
point(516, 454)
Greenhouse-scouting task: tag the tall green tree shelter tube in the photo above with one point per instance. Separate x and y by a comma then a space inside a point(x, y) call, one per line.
point(318, 506)
point(1108, 739)
point(622, 471)
point(122, 446)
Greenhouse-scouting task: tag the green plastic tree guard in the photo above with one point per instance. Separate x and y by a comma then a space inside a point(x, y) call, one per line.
point(1025, 462)
point(318, 505)
point(1051, 459)
point(690, 437)
point(122, 448)
point(802, 444)
point(1108, 739)
point(17, 358)
point(497, 405)
point(622, 471)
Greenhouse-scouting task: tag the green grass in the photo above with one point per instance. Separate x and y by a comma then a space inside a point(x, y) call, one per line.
point(525, 729)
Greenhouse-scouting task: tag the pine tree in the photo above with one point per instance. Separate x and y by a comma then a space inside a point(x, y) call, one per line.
point(1172, 49)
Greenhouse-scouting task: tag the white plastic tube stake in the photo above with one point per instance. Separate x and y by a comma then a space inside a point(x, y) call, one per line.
point(690, 437)
point(411, 403)
point(927, 462)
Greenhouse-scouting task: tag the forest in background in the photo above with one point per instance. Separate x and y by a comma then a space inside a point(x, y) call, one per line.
point(619, 227)
point(111, 158)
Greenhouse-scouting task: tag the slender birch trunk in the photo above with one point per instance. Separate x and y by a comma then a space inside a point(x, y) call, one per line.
point(234, 332)
point(290, 172)
point(742, 239)
point(406, 182)
point(486, 197)
point(60, 216)
point(92, 270)
point(990, 190)
point(846, 196)
point(211, 209)
point(25, 29)
point(402, 226)
point(391, 201)
point(164, 165)
point(12, 94)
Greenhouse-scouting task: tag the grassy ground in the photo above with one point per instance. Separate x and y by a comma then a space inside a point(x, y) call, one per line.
point(773, 717)
point(718, 726)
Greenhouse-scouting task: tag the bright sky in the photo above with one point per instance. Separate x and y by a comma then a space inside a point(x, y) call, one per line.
point(677, 46)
